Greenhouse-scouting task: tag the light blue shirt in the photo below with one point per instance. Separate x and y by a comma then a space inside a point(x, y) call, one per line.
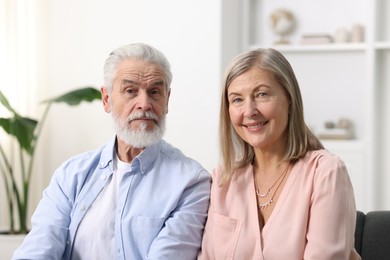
point(161, 205)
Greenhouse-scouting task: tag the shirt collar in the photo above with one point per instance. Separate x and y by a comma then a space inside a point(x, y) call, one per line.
point(107, 155)
point(146, 158)
point(142, 161)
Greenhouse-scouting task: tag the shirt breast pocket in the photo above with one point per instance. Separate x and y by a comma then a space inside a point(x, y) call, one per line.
point(225, 234)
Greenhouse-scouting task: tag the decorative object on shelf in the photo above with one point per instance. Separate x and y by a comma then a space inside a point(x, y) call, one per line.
point(343, 130)
point(316, 38)
point(342, 35)
point(357, 33)
point(282, 23)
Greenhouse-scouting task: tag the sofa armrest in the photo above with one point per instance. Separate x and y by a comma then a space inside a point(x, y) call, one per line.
point(360, 219)
point(376, 235)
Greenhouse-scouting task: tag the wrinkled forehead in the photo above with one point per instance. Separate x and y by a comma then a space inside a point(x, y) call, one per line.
point(140, 70)
point(139, 65)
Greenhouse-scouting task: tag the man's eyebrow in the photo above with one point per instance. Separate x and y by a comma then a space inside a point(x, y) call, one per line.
point(128, 81)
point(158, 83)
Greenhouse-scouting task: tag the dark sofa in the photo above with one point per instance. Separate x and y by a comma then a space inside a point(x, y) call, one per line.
point(372, 235)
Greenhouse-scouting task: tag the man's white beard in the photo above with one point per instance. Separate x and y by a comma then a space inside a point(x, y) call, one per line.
point(139, 138)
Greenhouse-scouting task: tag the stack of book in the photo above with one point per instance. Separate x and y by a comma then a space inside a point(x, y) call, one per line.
point(316, 38)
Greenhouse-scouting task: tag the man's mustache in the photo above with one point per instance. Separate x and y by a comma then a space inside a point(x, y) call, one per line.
point(142, 115)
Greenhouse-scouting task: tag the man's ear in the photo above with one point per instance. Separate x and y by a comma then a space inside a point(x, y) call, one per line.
point(169, 94)
point(105, 99)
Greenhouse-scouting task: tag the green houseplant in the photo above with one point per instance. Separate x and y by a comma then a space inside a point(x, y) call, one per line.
point(25, 132)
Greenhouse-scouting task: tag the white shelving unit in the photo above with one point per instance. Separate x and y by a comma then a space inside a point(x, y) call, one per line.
point(339, 80)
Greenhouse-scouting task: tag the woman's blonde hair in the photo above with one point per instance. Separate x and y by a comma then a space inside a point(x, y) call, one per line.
point(235, 152)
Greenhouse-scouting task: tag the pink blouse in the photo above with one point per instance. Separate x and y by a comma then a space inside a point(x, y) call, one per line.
point(314, 217)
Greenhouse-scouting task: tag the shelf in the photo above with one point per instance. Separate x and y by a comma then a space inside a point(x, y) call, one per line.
point(332, 47)
point(382, 45)
point(352, 145)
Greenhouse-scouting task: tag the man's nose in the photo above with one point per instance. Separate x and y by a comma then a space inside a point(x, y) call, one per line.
point(143, 101)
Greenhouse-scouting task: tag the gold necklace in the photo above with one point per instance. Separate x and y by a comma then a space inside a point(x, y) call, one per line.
point(262, 196)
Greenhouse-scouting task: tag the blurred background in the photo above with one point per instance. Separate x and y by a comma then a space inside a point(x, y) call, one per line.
point(340, 51)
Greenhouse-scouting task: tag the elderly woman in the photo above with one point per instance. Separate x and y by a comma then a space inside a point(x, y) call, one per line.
point(277, 194)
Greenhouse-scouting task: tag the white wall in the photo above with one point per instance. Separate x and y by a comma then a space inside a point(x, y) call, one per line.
point(83, 33)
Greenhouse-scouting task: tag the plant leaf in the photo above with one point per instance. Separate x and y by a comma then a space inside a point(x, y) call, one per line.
point(4, 101)
point(75, 97)
point(22, 128)
point(5, 124)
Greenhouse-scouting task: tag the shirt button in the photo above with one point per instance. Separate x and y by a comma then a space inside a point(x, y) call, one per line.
point(82, 207)
point(104, 177)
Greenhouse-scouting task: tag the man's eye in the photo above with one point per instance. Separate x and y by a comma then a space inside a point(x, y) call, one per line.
point(130, 91)
point(155, 92)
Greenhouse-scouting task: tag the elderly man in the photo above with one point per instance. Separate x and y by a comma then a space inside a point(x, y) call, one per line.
point(136, 197)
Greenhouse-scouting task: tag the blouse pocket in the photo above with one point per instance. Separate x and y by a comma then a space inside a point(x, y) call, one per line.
point(225, 235)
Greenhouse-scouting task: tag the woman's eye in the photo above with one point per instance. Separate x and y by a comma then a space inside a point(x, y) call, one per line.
point(236, 100)
point(261, 94)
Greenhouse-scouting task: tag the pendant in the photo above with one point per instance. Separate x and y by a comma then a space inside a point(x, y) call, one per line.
point(262, 195)
point(264, 205)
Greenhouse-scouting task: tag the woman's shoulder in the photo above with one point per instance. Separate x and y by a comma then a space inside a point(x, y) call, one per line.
point(218, 171)
point(323, 163)
point(322, 156)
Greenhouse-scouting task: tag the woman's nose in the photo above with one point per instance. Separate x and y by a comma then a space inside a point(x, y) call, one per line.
point(250, 109)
